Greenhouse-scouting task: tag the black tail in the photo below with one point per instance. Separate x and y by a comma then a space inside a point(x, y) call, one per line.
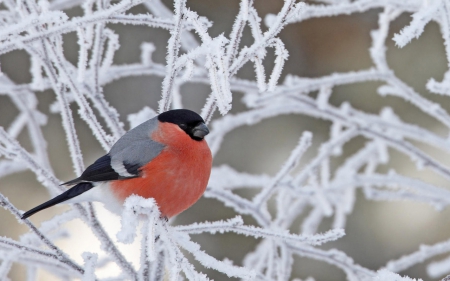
point(73, 192)
point(72, 182)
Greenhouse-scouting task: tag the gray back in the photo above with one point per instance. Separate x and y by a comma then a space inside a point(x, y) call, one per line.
point(136, 147)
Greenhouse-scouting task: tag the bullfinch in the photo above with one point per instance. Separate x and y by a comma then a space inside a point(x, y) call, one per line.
point(165, 158)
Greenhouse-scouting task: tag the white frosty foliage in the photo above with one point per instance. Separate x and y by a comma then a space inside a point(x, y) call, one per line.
point(438, 268)
point(384, 275)
point(133, 207)
point(90, 261)
point(307, 190)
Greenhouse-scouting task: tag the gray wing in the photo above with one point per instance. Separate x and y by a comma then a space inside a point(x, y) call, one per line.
point(132, 151)
point(135, 149)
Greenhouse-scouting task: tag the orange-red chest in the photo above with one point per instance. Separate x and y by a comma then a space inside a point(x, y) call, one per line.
point(177, 177)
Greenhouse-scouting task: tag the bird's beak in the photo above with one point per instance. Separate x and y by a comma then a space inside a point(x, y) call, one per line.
point(200, 131)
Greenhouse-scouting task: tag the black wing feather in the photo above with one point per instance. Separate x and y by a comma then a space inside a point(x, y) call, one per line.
point(74, 191)
point(101, 170)
point(132, 168)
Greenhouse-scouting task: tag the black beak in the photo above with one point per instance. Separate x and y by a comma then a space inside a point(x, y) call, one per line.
point(200, 131)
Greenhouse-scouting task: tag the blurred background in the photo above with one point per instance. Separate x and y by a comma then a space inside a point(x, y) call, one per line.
point(376, 231)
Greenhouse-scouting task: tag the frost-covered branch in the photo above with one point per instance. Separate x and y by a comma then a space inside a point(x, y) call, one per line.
point(318, 180)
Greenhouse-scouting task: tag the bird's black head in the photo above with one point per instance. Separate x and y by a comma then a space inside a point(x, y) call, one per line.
point(189, 121)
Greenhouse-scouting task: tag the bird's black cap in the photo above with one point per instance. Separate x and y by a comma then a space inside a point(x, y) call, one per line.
point(189, 121)
point(180, 116)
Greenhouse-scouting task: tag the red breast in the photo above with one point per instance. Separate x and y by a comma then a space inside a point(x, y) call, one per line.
point(177, 177)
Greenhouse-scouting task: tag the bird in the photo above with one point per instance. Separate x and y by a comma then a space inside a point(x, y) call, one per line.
point(165, 158)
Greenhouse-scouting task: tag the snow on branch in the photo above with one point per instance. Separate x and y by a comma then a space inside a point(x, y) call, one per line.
point(318, 180)
point(236, 225)
point(425, 252)
point(420, 19)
